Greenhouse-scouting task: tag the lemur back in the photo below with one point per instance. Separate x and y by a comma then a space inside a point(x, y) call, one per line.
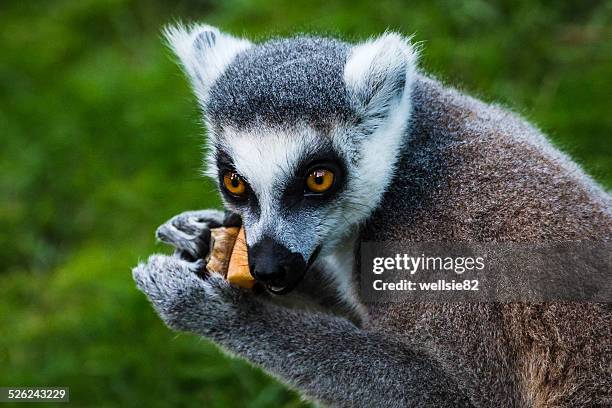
point(477, 173)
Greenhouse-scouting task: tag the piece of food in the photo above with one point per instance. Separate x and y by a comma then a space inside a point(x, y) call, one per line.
point(221, 244)
point(238, 272)
point(228, 256)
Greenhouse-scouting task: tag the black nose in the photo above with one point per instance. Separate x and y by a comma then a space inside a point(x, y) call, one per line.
point(274, 265)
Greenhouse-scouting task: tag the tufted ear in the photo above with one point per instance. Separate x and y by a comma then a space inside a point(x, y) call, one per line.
point(378, 75)
point(204, 52)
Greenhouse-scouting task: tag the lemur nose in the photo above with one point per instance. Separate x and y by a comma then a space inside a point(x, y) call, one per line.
point(274, 265)
point(267, 270)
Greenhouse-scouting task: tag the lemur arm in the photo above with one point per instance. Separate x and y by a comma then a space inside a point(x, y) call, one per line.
point(333, 361)
point(326, 357)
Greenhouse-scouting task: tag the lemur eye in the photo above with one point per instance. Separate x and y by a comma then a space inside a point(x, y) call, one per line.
point(320, 180)
point(234, 184)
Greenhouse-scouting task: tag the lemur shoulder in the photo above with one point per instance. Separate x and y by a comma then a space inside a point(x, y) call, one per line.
point(317, 145)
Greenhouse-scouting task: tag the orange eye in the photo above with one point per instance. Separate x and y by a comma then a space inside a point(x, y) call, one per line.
point(234, 184)
point(320, 180)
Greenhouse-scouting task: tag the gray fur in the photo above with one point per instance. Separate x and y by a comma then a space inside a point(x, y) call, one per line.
point(475, 172)
point(283, 82)
point(467, 171)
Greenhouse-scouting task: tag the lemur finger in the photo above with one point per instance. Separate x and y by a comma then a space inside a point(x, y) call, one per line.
point(189, 232)
point(192, 222)
point(185, 255)
point(196, 245)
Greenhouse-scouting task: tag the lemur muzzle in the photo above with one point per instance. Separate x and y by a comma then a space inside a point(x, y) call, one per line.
point(275, 266)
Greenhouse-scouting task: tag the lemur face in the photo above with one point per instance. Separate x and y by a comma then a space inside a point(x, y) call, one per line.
point(303, 136)
point(289, 186)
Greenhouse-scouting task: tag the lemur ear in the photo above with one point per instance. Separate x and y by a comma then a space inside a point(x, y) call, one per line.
point(204, 52)
point(378, 74)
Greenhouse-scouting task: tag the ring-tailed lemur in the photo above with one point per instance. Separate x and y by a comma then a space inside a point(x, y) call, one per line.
point(319, 145)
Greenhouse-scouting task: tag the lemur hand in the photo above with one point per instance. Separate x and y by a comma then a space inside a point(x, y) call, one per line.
point(184, 300)
point(182, 293)
point(189, 232)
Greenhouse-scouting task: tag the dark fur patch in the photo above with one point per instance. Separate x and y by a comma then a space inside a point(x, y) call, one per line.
point(283, 82)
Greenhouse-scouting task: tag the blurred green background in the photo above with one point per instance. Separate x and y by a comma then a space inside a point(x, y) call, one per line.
point(101, 143)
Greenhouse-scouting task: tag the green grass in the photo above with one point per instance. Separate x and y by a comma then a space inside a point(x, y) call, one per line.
point(101, 143)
